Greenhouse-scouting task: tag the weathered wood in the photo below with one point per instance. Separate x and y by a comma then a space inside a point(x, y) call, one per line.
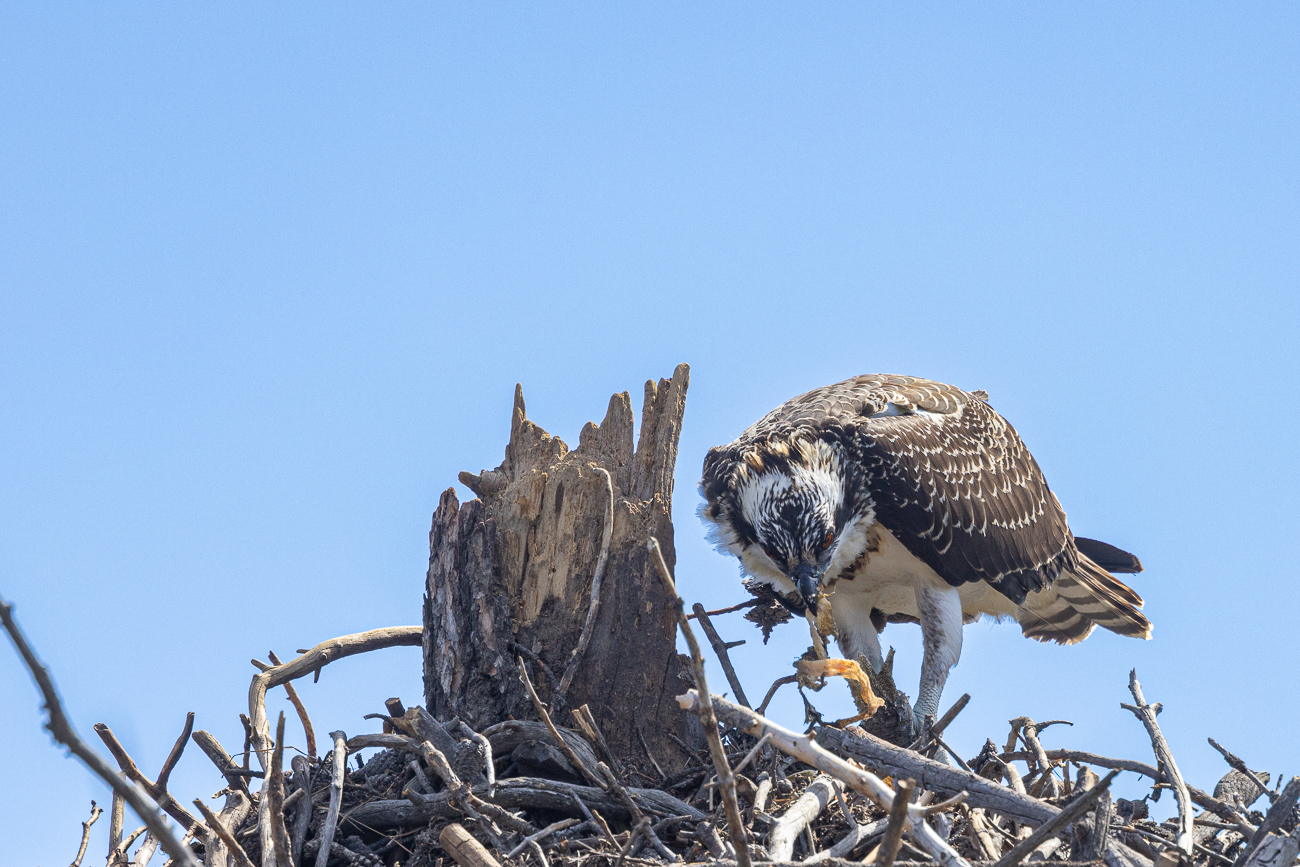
point(511, 573)
point(467, 851)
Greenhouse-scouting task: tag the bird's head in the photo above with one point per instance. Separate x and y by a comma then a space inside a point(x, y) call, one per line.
point(795, 511)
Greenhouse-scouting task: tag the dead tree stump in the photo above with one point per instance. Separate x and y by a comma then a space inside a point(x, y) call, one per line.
point(511, 574)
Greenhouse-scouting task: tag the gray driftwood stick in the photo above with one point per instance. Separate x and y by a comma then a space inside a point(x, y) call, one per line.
point(1165, 758)
point(720, 651)
point(336, 797)
point(933, 776)
point(808, 806)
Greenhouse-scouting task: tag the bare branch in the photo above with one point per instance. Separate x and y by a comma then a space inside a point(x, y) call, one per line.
point(313, 661)
point(85, 833)
point(59, 726)
point(1147, 714)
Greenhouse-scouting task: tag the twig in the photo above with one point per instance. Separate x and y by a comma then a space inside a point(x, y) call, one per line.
point(307, 730)
point(776, 684)
point(1044, 832)
point(903, 790)
point(1237, 764)
point(741, 606)
point(542, 835)
point(213, 749)
point(708, 718)
point(587, 722)
point(85, 833)
point(568, 751)
point(59, 726)
point(336, 797)
point(489, 762)
point(118, 854)
point(589, 625)
point(223, 833)
point(1147, 714)
point(949, 750)
point(313, 661)
point(749, 756)
point(720, 650)
point(157, 791)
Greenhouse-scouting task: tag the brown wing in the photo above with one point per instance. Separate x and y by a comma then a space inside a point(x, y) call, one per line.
point(961, 492)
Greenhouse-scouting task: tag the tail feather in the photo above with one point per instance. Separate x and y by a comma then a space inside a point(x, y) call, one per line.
point(1090, 596)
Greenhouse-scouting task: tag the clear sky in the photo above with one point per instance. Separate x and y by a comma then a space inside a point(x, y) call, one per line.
point(268, 277)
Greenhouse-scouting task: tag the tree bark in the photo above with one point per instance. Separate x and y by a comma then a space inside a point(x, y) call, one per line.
point(511, 573)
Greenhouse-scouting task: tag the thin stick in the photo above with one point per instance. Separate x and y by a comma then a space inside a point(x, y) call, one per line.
point(903, 790)
point(85, 833)
point(118, 855)
point(1147, 714)
point(949, 750)
point(776, 684)
point(589, 625)
point(709, 719)
point(223, 833)
point(336, 797)
point(59, 726)
point(1238, 765)
point(308, 731)
point(542, 835)
point(720, 650)
point(762, 742)
point(1044, 832)
point(577, 763)
point(951, 714)
point(741, 606)
point(313, 661)
point(157, 791)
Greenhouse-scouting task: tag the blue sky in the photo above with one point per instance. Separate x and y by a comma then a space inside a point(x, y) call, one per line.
point(269, 277)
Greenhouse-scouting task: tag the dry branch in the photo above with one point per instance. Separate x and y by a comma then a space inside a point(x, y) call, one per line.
point(60, 727)
point(313, 661)
point(1165, 757)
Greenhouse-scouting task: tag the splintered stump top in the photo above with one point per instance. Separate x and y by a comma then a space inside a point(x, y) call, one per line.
point(511, 575)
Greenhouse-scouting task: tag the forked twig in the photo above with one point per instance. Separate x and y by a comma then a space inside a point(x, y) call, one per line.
point(59, 726)
point(85, 833)
point(1044, 832)
point(720, 650)
point(1147, 714)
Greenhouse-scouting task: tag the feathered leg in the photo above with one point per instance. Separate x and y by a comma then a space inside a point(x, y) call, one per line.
point(940, 609)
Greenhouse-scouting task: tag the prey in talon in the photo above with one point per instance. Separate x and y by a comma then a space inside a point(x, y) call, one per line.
point(889, 498)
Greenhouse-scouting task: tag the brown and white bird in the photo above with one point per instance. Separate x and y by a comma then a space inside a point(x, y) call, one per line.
point(893, 498)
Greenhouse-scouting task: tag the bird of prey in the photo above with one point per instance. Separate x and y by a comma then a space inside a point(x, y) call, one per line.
point(892, 498)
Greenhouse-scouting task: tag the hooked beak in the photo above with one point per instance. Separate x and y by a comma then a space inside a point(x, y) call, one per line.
point(808, 580)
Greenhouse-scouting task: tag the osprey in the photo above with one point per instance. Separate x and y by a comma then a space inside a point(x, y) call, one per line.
point(892, 498)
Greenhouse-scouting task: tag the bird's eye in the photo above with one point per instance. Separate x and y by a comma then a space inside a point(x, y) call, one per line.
point(770, 552)
point(830, 538)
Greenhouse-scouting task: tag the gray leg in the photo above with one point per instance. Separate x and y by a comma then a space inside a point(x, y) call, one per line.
point(940, 609)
